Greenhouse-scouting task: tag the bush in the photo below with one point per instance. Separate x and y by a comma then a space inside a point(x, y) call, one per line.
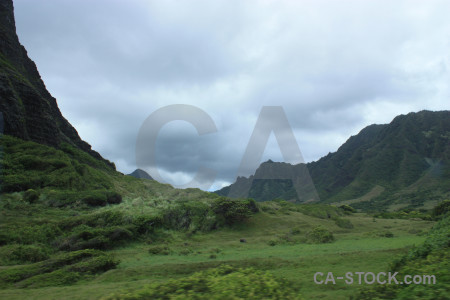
point(347, 208)
point(185, 251)
point(441, 209)
point(113, 198)
point(85, 237)
point(95, 198)
point(21, 254)
point(320, 235)
point(31, 196)
point(234, 210)
point(159, 250)
point(343, 223)
point(295, 231)
point(65, 268)
point(272, 242)
point(224, 282)
point(388, 234)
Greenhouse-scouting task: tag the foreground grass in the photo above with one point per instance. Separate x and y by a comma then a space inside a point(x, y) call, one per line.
point(361, 248)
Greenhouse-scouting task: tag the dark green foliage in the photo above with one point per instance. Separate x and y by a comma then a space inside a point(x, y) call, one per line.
point(224, 282)
point(388, 234)
point(145, 223)
point(30, 234)
point(441, 209)
point(95, 219)
point(347, 208)
point(343, 223)
point(234, 210)
point(85, 237)
point(61, 198)
point(430, 258)
point(320, 235)
point(205, 216)
point(269, 189)
point(384, 162)
point(321, 211)
point(113, 198)
point(65, 268)
point(28, 165)
point(159, 250)
point(404, 214)
point(31, 196)
point(189, 214)
point(21, 254)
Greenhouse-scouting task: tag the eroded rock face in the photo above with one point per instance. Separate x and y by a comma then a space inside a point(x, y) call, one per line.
point(29, 111)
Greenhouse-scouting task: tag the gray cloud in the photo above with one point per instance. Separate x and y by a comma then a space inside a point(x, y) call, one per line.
point(335, 67)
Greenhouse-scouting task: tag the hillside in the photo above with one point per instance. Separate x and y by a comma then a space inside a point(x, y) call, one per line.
point(402, 164)
point(29, 110)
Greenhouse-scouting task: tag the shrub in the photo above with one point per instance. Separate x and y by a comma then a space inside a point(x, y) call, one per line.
point(31, 196)
point(95, 198)
point(441, 209)
point(185, 251)
point(65, 268)
point(86, 237)
point(234, 210)
point(146, 223)
point(388, 234)
point(295, 231)
point(20, 254)
point(320, 235)
point(347, 208)
point(224, 282)
point(159, 250)
point(343, 223)
point(272, 242)
point(113, 198)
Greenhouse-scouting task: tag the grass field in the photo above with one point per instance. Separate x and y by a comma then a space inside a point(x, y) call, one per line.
point(275, 241)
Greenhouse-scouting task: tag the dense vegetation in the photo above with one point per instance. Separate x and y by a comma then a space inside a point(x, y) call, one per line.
point(49, 206)
point(224, 282)
point(430, 258)
point(404, 164)
point(61, 227)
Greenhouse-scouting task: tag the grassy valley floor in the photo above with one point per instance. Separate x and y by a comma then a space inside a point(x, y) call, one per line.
point(275, 242)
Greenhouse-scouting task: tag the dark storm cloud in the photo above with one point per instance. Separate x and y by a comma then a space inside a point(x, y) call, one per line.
point(335, 67)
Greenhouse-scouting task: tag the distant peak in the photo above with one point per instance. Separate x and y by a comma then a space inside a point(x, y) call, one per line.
point(139, 173)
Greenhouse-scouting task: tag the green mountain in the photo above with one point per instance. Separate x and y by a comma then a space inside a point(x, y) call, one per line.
point(402, 164)
point(29, 111)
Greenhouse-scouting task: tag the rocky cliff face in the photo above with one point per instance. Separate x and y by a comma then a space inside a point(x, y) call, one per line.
point(29, 111)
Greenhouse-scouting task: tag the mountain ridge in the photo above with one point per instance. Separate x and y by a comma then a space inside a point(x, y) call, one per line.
point(30, 112)
point(393, 156)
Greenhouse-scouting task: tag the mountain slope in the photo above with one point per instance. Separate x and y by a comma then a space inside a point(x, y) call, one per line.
point(28, 109)
point(406, 162)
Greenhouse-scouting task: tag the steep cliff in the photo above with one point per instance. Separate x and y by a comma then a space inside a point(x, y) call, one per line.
point(29, 110)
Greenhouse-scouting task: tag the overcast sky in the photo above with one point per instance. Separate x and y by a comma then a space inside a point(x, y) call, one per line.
point(334, 66)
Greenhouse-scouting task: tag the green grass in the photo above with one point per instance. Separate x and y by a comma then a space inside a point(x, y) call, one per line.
point(293, 261)
point(156, 234)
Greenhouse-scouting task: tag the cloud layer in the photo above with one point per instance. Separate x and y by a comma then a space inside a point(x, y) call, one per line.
point(334, 66)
